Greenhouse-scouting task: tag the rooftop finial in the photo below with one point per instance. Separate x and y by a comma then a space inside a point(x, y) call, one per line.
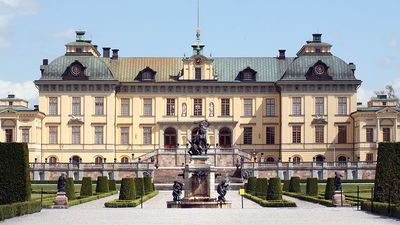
point(198, 47)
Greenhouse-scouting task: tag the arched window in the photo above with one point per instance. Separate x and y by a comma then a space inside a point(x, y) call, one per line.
point(170, 138)
point(319, 159)
point(76, 160)
point(98, 160)
point(342, 159)
point(52, 160)
point(124, 160)
point(296, 160)
point(225, 138)
point(270, 159)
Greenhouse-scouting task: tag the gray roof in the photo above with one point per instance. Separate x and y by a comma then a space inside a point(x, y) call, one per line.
point(96, 69)
point(375, 108)
point(338, 69)
point(17, 108)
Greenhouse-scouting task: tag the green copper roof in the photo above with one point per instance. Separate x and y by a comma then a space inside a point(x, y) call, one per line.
point(96, 69)
point(17, 108)
point(375, 108)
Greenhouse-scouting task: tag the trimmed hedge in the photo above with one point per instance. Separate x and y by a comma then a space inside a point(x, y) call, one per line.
point(86, 188)
point(19, 209)
point(381, 209)
point(261, 187)
point(264, 203)
point(147, 184)
point(70, 189)
point(274, 189)
point(139, 186)
point(330, 188)
point(312, 199)
point(286, 185)
point(294, 185)
point(128, 189)
point(112, 186)
point(129, 203)
point(15, 184)
point(102, 184)
point(251, 185)
point(387, 180)
point(312, 187)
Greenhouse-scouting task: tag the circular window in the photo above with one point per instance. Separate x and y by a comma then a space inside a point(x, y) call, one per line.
point(319, 69)
point(75, 70)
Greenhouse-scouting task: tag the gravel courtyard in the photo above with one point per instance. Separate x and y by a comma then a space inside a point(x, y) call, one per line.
point(155, 212)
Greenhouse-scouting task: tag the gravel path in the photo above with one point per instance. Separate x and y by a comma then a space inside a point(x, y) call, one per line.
point(155, 212)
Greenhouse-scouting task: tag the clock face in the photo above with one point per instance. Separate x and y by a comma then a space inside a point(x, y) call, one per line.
point(75, 70)
point(197, 61)
point(319, 69)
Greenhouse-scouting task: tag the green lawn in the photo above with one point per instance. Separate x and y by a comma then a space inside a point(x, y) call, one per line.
point(348, 189)
point(53, 187)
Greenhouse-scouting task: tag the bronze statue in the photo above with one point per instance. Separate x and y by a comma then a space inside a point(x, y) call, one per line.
point(199, 143)
point(61, 183)
point(338, 182)
point(222, 189)
point(177, 191)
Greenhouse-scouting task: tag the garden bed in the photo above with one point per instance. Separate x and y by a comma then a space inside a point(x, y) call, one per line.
point(261, 200)
point(116, 203)
point(49, 201)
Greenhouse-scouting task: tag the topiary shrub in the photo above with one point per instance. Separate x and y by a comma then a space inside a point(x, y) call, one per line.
point(128, 189)
point(86, 188)
point(294, 185)
point(112, 185)
point(286, 185)
point(261, 187)
point(274, 191)
point(15, 184)
point(147, 184)
point(251, 185)
point(312, 186)
point(330, 188)
point(70, 189)
point(102, 184)
point(139, 184)
point(387, 176)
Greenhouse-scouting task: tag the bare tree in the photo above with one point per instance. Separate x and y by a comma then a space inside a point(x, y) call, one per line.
point(390, 92)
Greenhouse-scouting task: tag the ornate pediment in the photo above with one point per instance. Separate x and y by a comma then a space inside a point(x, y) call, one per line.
point(75, 121)
point(75, 71)
point(319, 71)
point(319, 121)
point(387, 110)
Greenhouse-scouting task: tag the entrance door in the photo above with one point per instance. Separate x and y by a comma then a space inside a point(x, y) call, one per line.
point(9, 135)
point(225, 137)
point(170, 138)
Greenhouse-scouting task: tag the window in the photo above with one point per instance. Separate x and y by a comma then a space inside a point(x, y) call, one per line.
point(319, 105)
point(296, 160)
point(124, 135)
point(270, 135)
point(319, 134)
point(124, 160)
point(99, 106)
point(342, 106)
point(342, 134)
point(248, 75)
point(270, 107)
point(76, 135)
point(9, 135)
point(248, 136)
point(25, 135)
point(342, 159)
point(147, 76)
point(98, 160)
point(296, 134)
point(53, 135)
point(296, 106)
point(98, 135)
point(369, 135)
point(147, 135)
point(124, 106)
point(198, 107)
point(76, 106)
point(197, 73)
point(248, 107)
point(225, 105)
point(386, 134)
point(52, 160)
point(370, 157)
point(147, 107)
point(53, 106)
point(270, 159)
point(170, 107)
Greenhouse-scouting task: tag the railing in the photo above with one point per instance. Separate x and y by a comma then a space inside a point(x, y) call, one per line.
point(91, 166)
point(310, 165)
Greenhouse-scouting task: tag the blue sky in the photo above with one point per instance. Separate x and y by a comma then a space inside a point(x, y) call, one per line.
point(364, 32)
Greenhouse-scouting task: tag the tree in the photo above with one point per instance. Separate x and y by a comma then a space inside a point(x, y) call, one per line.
point(390, 92)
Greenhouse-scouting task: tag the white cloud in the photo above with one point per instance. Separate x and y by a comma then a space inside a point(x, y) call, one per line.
point(364, 95)
point(394, 43)
point(25, 90)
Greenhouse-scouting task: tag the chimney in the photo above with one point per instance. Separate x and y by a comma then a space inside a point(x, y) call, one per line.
point(45, 62)
point(11, 96)
point(317, 38)
point(80, 36)
point(115, 54)
point(106, 52)
point(36, 107)
point(282, 54)
point(359, 103)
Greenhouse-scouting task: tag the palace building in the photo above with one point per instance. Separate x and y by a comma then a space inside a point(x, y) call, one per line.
point(100, 108)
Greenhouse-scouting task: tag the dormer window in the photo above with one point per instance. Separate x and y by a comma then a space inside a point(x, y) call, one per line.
point(78, 49)
point(75, 71)
point(147, 74)
point(247, 74)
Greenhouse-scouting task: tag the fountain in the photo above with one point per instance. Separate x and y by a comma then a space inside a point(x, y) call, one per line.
point(199, 178)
